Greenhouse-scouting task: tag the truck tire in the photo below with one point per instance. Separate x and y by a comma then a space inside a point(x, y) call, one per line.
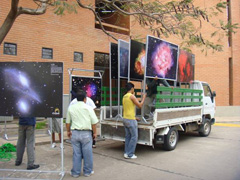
point(205, 128)
point(171, 139)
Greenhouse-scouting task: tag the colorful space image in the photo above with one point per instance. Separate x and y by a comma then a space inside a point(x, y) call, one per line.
point(162, 59)
point(92, 86)
point(123, 56)
point(137, 60)
point(185, 66)
point(114, 60)
point(31, 89)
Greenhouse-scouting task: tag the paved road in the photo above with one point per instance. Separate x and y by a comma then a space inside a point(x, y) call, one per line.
point(195, 158)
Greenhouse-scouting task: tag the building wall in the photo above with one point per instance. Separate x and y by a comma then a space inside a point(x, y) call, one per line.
point(77, 32)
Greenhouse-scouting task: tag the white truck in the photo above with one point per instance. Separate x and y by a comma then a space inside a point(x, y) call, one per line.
point(177, 109)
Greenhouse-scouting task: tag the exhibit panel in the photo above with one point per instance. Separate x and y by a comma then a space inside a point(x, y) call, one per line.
point(114, 60)
point(186, 66)
point(123, 56)
point(91, 85)
point(137, 60)
point(162, 59)
point(31, 89)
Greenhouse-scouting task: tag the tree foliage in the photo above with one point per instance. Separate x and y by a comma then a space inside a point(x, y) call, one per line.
point(181, 19)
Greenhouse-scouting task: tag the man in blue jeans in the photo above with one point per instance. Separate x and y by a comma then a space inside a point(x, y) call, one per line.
point(129, 121)
point(26, 136)
point(81, 121)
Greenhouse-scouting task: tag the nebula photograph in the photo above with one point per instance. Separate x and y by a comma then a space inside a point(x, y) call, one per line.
point(137, 60)
point(123, 56)
point(162, 59)
point(31, 89)
point(185, 67)
point(92, 86)
point(114, 60)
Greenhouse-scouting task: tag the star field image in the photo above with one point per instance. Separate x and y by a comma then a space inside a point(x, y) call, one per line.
point(114, 60)
point(185, 66)
point(92, 86)
point(137, 60)
point(31, 89)
point(124, 58)
point(162, 59)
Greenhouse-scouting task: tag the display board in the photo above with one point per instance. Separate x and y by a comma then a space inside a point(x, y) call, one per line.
point(31, 89)
point(123, 56)
point(186, 65)
point(162, 59)
point(92, 86)
point(137, 60)
point(114, 60)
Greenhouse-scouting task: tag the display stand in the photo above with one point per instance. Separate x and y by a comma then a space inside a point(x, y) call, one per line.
point(61, 173)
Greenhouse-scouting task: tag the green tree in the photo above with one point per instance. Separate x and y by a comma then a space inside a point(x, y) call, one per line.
point(172, 18)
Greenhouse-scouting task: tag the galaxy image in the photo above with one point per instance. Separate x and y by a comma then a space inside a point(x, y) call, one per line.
point(92, 86)
point(114, 60)
point(31, 89)
point(162, 59)
point(123, 50)
point(137, 60)
point(185, 66)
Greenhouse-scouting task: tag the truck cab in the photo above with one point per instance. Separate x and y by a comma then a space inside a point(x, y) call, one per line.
point(208, 99)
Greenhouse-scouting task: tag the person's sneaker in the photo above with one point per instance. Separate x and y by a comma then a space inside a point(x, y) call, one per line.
point(53, 145)
point(35, 166)
point(133, 157)
point(126, 156)
point(18, 163)
point(74, 175)
point(94, 146)
point(87, 175)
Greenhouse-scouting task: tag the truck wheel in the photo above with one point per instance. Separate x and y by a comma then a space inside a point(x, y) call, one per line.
point(171, 139)
point(205, 128)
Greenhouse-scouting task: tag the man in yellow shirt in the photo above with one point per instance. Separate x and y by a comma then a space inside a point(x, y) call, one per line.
point(129, 121)
point(81, 121)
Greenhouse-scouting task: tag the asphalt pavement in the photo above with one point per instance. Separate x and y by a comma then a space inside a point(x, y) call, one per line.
point(214, 157)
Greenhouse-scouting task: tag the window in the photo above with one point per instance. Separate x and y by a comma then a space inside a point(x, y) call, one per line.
point(47, 53)
point(10, 49)
point(78, 57)
point(101, 62)
point(101, 59)
point(207, 91)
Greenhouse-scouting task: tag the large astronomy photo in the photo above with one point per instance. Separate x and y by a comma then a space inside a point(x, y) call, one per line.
point(186, 66)
point(162, 59)
point(114, 60)
point(137, 60)
point(123, 56)
point(92, 86)
point(31, 89)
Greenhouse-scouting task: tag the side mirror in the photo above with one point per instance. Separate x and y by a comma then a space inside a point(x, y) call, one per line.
point(214, 94)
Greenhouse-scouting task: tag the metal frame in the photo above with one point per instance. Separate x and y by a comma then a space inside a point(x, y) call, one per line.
point(145, 72)
point(32, 171)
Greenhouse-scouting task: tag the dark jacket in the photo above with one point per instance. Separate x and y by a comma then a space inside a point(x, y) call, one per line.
point(30, 121)
point(152, 86)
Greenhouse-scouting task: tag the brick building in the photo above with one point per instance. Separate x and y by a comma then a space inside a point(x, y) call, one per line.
point(76, 40)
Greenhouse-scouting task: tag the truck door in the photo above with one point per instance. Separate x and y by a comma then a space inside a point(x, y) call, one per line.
point(208, 100)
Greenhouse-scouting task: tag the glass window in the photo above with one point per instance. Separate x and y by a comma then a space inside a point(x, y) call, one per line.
point(78, 57)
point(47, 53)
point(10, 49)
point(101, 59)
point(206, 89)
